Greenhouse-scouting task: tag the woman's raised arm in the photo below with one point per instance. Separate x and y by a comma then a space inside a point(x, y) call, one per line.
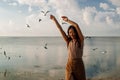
point(81, 37)
point(59, 27)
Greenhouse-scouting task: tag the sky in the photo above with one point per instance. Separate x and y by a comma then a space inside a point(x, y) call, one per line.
point(94, 17)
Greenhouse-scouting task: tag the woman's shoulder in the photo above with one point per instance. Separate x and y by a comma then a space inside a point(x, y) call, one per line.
point(80, 43)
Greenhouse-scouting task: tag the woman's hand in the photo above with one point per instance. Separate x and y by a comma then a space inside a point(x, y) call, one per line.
point(65, 18)
point(52, 17)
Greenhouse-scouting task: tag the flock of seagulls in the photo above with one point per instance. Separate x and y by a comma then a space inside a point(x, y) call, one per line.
point(103, 52)
point(5, 54)
point(94, 49)
point(45, 47)
point(8, 57)
point(44, 14)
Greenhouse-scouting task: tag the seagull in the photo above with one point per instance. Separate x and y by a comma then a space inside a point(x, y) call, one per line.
point(5, 73)
point(19, 56)
point(5, 53)
point(64, 23)
point(28, 25)
point(103, 52)
point(45, 13)
point(94, 49)
point(87, 37)
point(40, 20)
point(45, 46)
point(36, 66)
point(8, 58)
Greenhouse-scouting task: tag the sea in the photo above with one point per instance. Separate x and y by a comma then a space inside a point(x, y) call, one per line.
point(45, 58)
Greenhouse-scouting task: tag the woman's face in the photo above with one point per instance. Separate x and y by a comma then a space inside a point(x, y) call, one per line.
point(72, 33)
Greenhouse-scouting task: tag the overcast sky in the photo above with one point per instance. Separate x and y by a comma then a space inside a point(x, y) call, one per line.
point(95, 17)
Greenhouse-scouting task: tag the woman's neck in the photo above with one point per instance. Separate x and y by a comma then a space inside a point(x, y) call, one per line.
point(74, 40)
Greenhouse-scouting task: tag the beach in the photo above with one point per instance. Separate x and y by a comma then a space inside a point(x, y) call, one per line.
point(45, 58)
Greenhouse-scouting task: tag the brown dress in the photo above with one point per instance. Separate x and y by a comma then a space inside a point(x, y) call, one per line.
point(75, 66)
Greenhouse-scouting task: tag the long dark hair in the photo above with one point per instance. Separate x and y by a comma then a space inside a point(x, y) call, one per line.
point(77, 37)
point(72, 27)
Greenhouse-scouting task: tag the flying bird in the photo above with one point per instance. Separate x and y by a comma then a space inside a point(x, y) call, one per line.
point(8, 58)
point(45, 46)
point(5, 73)
point(28, 25)
point(94, 49)
point(5, 53)
point(103, 52)
point(64, 23)
point(40, 20)
point(19, 56)
point(88, 37)
point(45, 13)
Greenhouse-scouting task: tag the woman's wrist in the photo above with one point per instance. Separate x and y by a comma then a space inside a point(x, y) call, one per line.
point(67, 20)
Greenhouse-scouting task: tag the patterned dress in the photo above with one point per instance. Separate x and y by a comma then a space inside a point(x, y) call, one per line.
point(75, 66)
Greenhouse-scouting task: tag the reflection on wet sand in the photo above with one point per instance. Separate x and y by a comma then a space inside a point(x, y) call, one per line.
point(22, 59)
point(32, 75)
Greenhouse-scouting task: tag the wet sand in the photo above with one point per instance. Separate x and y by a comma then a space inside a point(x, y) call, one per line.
point(107, 78)
point(30, 60)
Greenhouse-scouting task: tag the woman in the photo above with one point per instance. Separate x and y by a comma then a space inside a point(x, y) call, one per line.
point(75, 40)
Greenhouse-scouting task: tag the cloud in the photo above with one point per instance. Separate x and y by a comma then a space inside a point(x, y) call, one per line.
point(91, 17)
point(57, 8)
point(101, 17)
point(41, 4)
point(11, 23)
point(13, 4)
point(30, 9)
point(31, 19)
point(118, 10)
point(46, 27)
point(4, 0)
point(19, 11)
point(89, 14)
point(105, 6)
point(68, 7)
point(92, 20)
point(33, 2)
point(115, 2)
point(109, 20)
